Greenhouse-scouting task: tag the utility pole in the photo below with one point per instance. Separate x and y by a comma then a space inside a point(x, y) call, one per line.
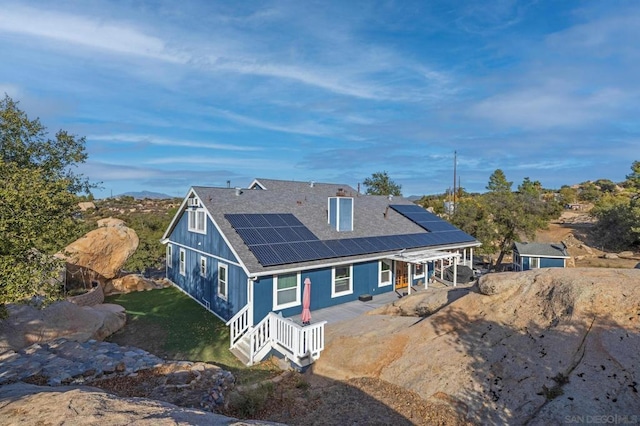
point(455, 163)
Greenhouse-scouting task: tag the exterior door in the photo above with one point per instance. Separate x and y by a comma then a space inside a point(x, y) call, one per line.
point(401, 274)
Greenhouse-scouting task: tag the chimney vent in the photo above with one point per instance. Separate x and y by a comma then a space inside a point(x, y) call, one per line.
point(311, 184)
point(238, 191)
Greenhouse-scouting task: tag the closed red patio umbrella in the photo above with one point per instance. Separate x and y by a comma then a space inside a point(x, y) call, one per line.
point(306, 302)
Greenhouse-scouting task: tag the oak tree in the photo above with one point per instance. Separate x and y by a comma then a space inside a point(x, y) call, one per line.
point(37, 203)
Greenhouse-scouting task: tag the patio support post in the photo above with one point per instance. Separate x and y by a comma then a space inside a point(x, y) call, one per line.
point(425, 268)
point(442, 269)
point(409, 277)
point(471, 250)
point(455, 271)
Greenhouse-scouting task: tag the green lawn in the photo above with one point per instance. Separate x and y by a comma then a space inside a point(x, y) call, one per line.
point(171, 325)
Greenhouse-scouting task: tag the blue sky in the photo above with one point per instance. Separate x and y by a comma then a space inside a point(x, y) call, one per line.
point(174, 94)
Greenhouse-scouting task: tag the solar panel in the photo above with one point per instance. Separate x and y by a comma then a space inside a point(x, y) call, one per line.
point(287, 253)
point(271, 235)
point(367, 245)
point(352, 246)
point(321, 248)
point(304, 233)
point(250, 236)
point(337, 248)
point(305, 251)
point(238, 221)
point(290, 220)
point(275, 219)
point(266, 256)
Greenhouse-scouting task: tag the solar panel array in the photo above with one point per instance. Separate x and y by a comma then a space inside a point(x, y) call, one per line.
point(279, 238)
point(432, 223)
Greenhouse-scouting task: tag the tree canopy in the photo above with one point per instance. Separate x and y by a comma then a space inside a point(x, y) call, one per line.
point(498, 182)
point(618, 225)
point(37, 203)
point(380, 184)
point(501, 217)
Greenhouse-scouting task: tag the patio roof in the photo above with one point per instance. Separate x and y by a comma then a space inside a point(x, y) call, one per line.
point(423, 256)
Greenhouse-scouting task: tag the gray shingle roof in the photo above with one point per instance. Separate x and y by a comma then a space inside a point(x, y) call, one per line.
point(541, 249)
point(372, 215)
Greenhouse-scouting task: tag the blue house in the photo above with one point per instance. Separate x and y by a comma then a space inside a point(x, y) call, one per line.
point(244, 255)
point(528, 256)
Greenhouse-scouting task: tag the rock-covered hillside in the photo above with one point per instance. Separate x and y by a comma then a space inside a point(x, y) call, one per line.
point(524, 347)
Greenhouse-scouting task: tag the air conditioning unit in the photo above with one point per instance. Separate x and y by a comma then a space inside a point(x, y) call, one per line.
point(193, 202)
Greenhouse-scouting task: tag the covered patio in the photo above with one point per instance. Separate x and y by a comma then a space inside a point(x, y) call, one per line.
point(423, 257)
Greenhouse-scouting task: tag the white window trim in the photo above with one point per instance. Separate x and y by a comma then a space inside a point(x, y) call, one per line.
point(296, 302)
point(226, 282)
point(413, 271)
point(333, 282)
point(390, 270)
point(192, 225)
point(183, 262)
point(203, 266)
point(169, 260)
point(537, 263)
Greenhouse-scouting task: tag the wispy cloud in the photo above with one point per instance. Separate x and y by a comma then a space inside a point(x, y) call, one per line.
point(305, 128)
point(238, 164)
point(156, 140)
point(85, 31)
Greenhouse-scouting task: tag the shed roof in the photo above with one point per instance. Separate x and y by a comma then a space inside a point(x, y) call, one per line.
point(542, 249)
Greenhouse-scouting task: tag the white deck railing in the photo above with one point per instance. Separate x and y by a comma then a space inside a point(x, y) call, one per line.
point(300, 344)
point(239, 324)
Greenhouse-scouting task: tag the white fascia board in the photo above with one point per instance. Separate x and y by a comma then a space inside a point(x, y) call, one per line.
point(256, 182)
point(166, 234)
point(226, 241)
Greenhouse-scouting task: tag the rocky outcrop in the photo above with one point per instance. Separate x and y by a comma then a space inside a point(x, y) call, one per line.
point(134, 282)
point(535, 347)
point(22, 403)
point(27, 325)
point(100, 254)
point(86, 205)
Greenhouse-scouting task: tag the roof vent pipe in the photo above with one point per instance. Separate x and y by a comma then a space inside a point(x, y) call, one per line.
point(390, 197)
point(311, 184)
point(238, 191)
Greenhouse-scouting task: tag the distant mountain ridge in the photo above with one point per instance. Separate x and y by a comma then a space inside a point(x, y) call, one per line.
point(146, 194)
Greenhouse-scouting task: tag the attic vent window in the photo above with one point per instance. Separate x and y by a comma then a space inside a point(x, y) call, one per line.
point(341, 213)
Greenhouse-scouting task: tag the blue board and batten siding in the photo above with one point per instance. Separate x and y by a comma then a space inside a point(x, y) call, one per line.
point(545, 262)
point(365, 280)
point(216, 251)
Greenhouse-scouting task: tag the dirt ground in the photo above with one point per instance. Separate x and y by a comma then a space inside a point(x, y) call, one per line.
point(304, 399)
point(573, 228)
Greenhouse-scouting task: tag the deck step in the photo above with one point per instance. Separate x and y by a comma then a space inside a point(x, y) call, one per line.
point(240, 355)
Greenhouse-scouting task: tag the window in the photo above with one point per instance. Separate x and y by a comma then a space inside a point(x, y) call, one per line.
point(286, 291)
point(418, 270)
point(223, 285)
point(183, 259)
point(535, 262)
point(203, 266)
point(197, 221)
point(385, 273)
point(342, 281)
point(169, 256)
